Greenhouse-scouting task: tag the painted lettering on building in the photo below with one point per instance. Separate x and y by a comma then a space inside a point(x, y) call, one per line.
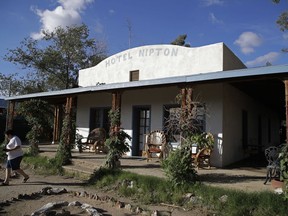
point(148, 52)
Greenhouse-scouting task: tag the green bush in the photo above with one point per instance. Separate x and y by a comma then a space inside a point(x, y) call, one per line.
point(117, 145)
point(43, 165)
point(179, 167)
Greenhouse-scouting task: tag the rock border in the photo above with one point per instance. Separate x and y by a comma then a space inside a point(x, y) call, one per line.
point(49, 208)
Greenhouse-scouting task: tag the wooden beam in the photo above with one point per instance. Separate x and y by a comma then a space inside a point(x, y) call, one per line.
point(56, 134)
point(116, 101)
point(286, 105)
point(10, 115)
point(183, 98)
point(68, 112)
point(189, 99)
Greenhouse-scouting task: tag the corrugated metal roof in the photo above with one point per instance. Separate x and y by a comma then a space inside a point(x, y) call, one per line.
point(280, 70)
point(3, 103)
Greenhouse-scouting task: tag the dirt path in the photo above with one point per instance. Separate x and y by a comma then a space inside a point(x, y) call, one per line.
point(37, 182)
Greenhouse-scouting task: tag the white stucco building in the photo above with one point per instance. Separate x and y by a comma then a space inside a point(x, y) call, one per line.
point(244, 107)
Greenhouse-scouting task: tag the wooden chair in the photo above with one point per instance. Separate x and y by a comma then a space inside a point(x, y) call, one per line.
point(155, 145)
point(273, 167)
point(95, 141)
point(202, 158)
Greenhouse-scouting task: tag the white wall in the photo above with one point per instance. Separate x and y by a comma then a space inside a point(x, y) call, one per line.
point(154, 61)
point(234, 102)
point(154, 97)
point(212, 96)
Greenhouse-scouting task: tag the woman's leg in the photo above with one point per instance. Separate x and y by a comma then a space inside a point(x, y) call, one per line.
point(21, 172)
point(7, 175)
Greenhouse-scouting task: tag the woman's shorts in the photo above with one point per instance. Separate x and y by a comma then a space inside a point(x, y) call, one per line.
point(14, 164)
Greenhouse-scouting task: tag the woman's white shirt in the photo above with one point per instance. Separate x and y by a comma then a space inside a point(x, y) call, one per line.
point(13, 142)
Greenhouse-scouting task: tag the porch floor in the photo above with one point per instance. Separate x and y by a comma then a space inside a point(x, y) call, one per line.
point(246, 175)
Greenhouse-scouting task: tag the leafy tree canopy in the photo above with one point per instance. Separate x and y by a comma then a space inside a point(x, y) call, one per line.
point(282, 21)
point(55, 60)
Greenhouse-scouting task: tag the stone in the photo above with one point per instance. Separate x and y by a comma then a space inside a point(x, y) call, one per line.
point(57, 191)
point(155, 213)
point(44, 190)
point(83, 194)
point(223, 198)
point(85, 205)
point(128, 206)
point(138, 210)
point(120, 204)
point(93, 211)
point(75, 203)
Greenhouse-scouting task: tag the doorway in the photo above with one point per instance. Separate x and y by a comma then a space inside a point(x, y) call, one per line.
point(141, 125)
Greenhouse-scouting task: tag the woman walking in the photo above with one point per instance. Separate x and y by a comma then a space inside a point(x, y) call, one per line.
point(15, 154)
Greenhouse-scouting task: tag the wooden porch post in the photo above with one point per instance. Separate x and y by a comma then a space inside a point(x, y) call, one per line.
point(186, 99)
point(56, 124)
point(186, 105)
point(286, 106)
point(183, 98)
point(116, 101)
point(68, 117)
point(189, 99)
point(116, 105)
point(10, 115)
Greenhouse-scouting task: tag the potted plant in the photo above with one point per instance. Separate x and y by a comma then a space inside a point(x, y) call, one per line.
point(203, 140)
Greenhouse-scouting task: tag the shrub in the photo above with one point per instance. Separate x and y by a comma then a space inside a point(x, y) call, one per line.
point(179, 168)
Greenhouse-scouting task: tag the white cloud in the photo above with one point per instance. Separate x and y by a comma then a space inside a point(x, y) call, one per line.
point(111, 11)
point(247, 41)
point(285, 36)
point(212, 2)
point(214, 20)
point(262, 60)
point(67, 14)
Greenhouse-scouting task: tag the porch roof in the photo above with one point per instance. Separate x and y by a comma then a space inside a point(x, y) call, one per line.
point(259, 73)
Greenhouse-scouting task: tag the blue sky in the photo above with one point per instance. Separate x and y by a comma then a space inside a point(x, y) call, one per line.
point(247, 27)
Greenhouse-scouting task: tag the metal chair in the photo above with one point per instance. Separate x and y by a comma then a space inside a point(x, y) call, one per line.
point(273, 167)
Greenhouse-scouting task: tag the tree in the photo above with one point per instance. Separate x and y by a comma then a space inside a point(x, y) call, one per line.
point(282, 22)
point(56, 59)
point(40, 122)
point(12, 84)
point(180, 41)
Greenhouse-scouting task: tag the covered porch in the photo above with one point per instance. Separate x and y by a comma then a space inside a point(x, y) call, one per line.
point(265, 86)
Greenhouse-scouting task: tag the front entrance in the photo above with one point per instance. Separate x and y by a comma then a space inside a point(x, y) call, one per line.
point(141, 126)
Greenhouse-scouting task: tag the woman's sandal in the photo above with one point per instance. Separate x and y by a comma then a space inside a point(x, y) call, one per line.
point(25, 179)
